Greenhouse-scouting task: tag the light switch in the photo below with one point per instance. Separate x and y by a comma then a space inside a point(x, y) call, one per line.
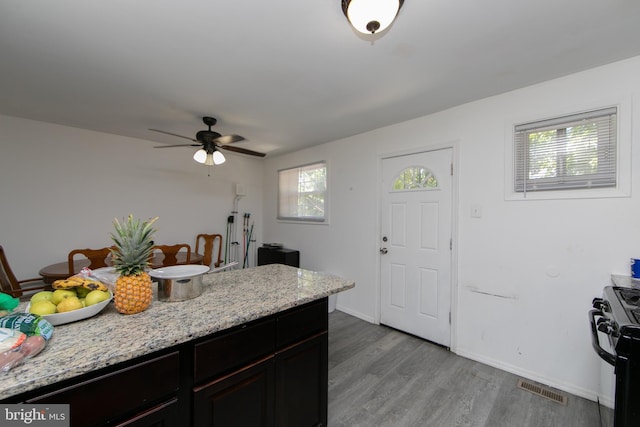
point(476, 211)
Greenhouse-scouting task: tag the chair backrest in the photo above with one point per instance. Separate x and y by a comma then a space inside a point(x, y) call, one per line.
point(8, 282)
point(97, 258)
point(170, 253)
point(207, 255)
point(14, 287)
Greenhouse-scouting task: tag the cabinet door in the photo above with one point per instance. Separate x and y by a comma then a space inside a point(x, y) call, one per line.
point(302, 383)
point(164, 415)
point(243, 398)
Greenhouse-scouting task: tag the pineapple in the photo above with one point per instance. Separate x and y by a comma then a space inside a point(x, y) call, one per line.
point(130, 257)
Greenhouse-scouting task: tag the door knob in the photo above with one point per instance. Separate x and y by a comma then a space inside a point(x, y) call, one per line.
point(383, 251)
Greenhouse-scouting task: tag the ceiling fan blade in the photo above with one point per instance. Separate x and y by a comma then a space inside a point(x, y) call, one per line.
point(241, 150)
point(228, 139)
point(173, 134)
point(178, 145)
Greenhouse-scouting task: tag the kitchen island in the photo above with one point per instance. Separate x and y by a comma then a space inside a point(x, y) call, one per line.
point(250, 328)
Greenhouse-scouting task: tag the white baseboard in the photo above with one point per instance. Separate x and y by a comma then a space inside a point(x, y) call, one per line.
point(354, 313)
point(516, 370)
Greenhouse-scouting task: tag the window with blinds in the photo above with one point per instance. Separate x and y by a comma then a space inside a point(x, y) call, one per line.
point(577, 151)
point(302, 193)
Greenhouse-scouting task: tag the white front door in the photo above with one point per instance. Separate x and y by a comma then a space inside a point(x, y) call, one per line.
point(415, 242)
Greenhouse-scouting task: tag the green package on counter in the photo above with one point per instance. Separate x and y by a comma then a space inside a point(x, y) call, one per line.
point(7, 303)
point(29, 324)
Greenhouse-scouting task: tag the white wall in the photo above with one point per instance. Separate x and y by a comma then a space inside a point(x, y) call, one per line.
point(61, 188)
point(523, 293)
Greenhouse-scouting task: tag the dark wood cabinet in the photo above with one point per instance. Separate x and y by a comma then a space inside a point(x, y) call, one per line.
point(119, 393)
point(301, 383)
point(233, 350)
point(243, 399)
point(268, 372)
point(163, 415)
point(302, 366)
point(286, 387)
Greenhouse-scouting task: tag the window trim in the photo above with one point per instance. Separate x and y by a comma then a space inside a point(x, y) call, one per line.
point(305, 220)
point(623, 156)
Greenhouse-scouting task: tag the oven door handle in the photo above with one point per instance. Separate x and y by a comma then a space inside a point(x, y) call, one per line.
point(604, 354)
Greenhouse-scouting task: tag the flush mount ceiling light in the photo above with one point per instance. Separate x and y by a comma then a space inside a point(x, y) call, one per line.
point(371, 16)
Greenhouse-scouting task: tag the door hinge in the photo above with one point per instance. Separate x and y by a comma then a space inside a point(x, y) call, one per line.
point(450, 244)
point(451, 169)
point(449, 317)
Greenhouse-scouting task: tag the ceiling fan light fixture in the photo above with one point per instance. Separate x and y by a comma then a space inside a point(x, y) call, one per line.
point(209, 160)
point(200, 156)
point(371, 16)
point(209, 157)
point(210, 141)
point(218, 157)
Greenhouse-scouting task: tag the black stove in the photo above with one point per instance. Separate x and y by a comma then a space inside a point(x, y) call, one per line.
point(630, 299)
point(617, 314)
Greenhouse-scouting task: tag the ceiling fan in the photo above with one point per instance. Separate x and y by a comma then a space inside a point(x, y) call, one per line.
point(210, 143)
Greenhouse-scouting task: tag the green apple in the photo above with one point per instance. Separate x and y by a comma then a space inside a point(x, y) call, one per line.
point(42, 308)
point(41, 296)
point(96, 296)
point(60, 294)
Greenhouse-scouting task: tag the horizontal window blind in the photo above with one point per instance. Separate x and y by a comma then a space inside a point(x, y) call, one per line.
point(577, 151)
point(302, 193)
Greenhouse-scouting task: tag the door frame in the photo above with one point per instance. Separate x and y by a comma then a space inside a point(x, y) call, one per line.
point(454, 146)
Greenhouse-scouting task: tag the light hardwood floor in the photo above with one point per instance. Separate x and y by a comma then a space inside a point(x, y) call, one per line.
point(382, 377)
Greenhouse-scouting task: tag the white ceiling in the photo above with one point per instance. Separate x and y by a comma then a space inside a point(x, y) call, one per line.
point(287, 74)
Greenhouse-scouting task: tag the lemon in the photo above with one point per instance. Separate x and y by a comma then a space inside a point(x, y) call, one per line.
point(69, 304)
point(42, 308)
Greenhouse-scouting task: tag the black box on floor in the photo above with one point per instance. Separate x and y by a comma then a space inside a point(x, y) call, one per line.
point(274, 255)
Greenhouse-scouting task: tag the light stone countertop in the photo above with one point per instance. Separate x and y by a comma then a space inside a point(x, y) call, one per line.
point(229, 298)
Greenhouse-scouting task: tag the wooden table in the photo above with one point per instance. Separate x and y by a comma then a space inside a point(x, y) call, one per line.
point(60, 270)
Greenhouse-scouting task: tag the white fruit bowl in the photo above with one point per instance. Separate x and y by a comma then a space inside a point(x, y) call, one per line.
point(75, 315)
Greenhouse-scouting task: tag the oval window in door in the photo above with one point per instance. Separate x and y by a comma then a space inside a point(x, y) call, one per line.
point(415, 178)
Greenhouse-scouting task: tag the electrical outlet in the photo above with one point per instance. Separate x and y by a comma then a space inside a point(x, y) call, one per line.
point(240, 190)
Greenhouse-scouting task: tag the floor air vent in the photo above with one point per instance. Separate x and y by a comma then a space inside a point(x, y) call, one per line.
point(542, 391)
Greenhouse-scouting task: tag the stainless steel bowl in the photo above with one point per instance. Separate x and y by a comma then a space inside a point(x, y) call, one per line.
point(179, 282)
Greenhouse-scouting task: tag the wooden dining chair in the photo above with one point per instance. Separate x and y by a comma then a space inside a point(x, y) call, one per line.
point(170, 253)
point(209, 241)
point(14, 287)
point(98, 258)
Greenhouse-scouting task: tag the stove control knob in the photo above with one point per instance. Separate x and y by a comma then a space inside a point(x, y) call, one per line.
point(600, 304)
point(604, 327)
point(607, 327)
